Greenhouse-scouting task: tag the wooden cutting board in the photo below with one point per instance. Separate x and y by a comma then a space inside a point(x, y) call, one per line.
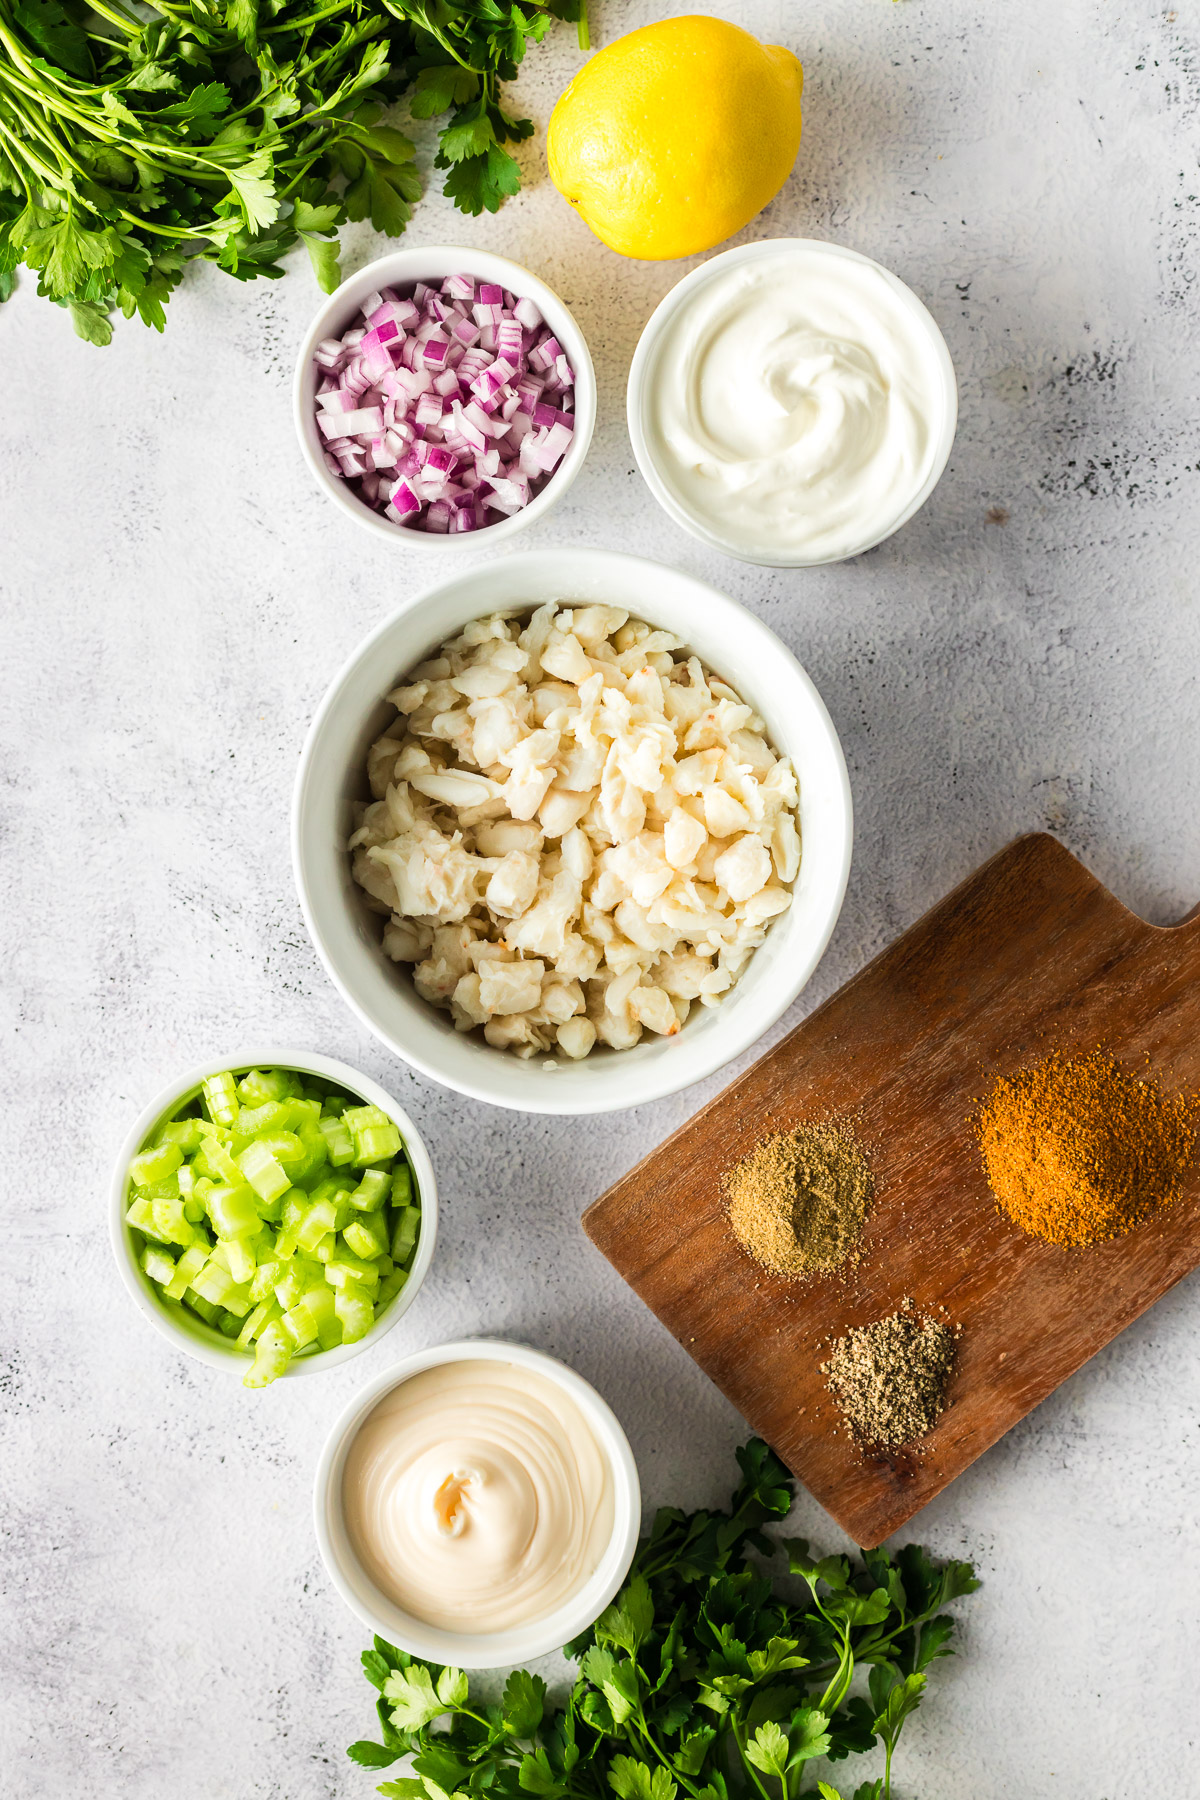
point(1030, 954)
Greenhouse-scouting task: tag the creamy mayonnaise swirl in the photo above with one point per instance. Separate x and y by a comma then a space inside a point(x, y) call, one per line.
point(476, 1496)
point(796, 402)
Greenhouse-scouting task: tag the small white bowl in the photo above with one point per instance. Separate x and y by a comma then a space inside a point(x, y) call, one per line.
point(641, 379)
point(434, 263)
point(495, 1649)
point(193, 1335)
point(332, 776)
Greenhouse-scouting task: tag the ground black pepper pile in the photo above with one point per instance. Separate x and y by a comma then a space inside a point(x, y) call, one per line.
point(890, 1377)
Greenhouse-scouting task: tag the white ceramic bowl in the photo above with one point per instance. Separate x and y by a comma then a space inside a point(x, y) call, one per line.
point(736, 646)
point(641, 384)
point(402, 268)
point(494, 1649)
point(191, 1334)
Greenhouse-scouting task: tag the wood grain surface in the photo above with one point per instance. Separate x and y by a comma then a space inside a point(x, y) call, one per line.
point(1028, 955)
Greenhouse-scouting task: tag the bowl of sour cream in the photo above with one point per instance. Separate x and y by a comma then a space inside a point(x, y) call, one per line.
point(478, 1504)
point(791, 403)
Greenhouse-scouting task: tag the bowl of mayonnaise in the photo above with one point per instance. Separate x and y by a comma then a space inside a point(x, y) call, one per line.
point(478, 1505)
point(791, 403)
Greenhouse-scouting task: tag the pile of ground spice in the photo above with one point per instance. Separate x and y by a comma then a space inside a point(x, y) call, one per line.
point(798, 1201)
point(889, 1378)
point(1076, 1150)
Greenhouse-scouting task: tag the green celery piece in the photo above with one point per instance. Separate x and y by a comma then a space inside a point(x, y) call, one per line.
point(261, 1169)
point(402, 1185)
point(221, 1099)
point(188, 1266)
point(141, 1216)
point(157, 1264)
point(367, 1236)
point(334, 1105)
point(220, 1162)
point(242, 1261)
point(375, 1136)
point(193, 1211)
point(255, 1321)
point(265, 1276)
point(232, 1210)
point(154, 1164)
point(326, 1250)
point(289, 1289)
point(238, 1301)
point(389, 1287)
point(408, 1226)
point(272, 1354)
point(338, 1141)
point(172, 1223)
point(320, 1303)
point(270, 1211)
point(348, 1268)
point(228, 1324)
point(320, 1218)
point(186, 1179)
point(204, 1309)
point(272, 1115)
point(285, 1146)
point(300, 1324)
point(258, 1085)
point(371, 1191)
point(184, 1132)
point(355, 1311)
point(315, 1153)
point(214, 1283)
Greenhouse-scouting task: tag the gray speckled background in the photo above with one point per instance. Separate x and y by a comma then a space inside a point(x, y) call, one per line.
point(1024, 654)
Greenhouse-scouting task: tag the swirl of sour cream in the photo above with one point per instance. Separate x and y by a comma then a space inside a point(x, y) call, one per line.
point(796, 403)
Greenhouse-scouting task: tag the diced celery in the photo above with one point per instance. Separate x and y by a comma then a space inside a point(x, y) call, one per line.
point(220, 1096)
point(333, 1105)
point(193, 1211)
point(184, 1132)
point(375, 1136)
point(259, 1085)
point(389, 1287)
point(232, 1210)
point(158, 1265)
point(272, 1354)
point(185, 1178)
point(220, 1163)
point(326, 1250)
point(141, 1216)
point(320, 1303)
point(320, 1218)
point(228, 1324)
point(367, 1236)
point(300, 1323)
point(214, 1283)
point(289, 1289)
point(315, 1153)
point(238, 1301)
point(265, 1276)
point(256, 1321)
point(272, 1115)
point(371, 1191)
point(284, 1146)
point(348, 1268)
point(188, 1266)
point(204, 1309)
point(172, 1223)
point(242, 1263)
point(338, 1141)
point(402, 1185)
point(154, 1164)
point(355, 1311)
point(408, 1226)
point(263, 1172)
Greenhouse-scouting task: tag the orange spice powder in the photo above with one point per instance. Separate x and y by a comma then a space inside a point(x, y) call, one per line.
point(1077, 1150)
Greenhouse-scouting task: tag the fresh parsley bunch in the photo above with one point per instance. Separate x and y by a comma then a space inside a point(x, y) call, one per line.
point(701, 1681)
point(134, 138)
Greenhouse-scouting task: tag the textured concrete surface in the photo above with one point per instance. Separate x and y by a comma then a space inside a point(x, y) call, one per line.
point(1024, 654)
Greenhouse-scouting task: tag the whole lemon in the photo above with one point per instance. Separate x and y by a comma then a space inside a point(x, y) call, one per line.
point(674, 137)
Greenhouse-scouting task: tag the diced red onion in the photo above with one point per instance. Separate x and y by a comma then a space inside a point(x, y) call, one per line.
point(446, 409)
